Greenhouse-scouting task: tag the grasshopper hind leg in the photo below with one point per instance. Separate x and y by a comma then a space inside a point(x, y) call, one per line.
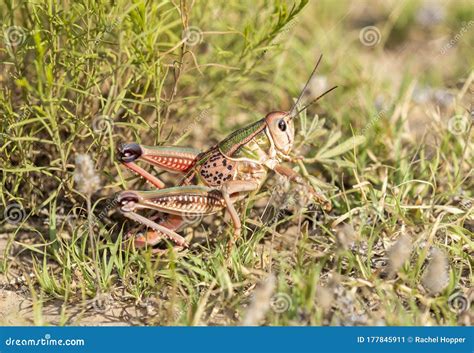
point(178, 204)
point(165, 229)
point(169, 158)
point(152, 237)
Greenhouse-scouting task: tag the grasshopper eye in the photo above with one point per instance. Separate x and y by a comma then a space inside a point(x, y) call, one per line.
point(282, 125)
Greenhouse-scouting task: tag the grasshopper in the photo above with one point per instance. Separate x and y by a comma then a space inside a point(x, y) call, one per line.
point(215, 179)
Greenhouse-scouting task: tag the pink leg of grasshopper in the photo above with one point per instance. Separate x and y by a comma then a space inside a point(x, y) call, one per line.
point(170, 158)
point(153, 237)
point(177, 202)
point(159, 232)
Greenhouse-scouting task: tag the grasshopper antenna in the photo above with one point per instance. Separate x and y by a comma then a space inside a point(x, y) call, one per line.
point(295, 106)
point(313, 101)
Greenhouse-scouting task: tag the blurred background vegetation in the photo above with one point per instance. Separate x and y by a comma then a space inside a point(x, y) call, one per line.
point(80, 77)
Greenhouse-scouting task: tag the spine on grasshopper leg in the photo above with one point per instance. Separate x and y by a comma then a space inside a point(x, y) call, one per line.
point(175, 200)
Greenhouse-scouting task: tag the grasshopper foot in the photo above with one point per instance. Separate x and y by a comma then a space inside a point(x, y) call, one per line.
point(231, 242)
point(322, 200)
point(152, 238)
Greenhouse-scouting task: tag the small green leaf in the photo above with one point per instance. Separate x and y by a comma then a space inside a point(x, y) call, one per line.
point(343, 147)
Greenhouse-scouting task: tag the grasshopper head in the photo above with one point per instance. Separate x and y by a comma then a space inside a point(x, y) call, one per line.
point(282, 130)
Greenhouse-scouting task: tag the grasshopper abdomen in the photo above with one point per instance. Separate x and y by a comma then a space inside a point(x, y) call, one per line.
point(214, 169)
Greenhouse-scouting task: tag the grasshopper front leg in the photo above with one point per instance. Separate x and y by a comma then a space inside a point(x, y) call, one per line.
point(231, 192)
point(295, 177)
point(170, 158)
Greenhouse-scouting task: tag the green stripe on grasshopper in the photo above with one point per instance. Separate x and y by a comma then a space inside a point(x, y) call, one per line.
point(240, 137)
point(172, 150)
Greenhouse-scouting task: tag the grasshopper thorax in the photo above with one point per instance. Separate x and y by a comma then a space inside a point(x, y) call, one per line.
point(282, 130)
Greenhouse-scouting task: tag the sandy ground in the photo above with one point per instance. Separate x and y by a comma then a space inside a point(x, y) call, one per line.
point(13, 306)
point(18, 308)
